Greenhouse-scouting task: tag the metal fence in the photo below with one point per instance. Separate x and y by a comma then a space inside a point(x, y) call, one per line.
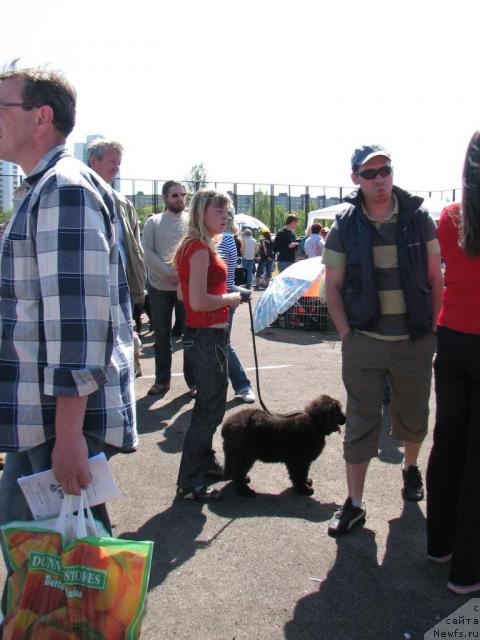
point(270, 202)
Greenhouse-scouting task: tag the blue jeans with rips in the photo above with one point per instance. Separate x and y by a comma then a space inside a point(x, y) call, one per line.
point(13, 505)
point(206, 350)
point(162, 304)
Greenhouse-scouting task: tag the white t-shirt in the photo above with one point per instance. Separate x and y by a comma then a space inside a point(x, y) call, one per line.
point(314, 245)
point(249, 245)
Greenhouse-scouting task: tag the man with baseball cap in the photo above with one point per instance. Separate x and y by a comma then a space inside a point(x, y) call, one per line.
point(384, 287)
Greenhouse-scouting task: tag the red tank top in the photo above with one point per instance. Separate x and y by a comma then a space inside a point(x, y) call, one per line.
point(216, 285)
point(461, 297)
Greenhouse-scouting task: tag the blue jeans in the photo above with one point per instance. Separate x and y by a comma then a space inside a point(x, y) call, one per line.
point(206, 349)
point(283, 265)
point(236, 372)
point(13, 505)
point(162, 304)
point(266, 265)
point(248, 265)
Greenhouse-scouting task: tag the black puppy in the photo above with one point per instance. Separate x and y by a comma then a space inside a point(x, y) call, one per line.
point(295, 439)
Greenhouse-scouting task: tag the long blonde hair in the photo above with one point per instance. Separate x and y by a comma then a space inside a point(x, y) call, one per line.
point(196, 223)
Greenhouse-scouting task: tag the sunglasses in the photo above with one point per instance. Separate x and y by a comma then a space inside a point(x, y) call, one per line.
point(371, 174)
point(176, 195)
point(23, 105)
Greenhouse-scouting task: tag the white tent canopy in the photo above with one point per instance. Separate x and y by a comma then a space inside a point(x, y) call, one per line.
point(434, 206)
point(328, 213)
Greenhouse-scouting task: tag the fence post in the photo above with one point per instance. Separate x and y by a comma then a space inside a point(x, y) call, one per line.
point(272, 208)
point(307, 204)
point(155, 196)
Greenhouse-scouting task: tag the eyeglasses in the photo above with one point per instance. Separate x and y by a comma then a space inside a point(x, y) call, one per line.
point(176, 195)
point(371, 174)
point(24, 105)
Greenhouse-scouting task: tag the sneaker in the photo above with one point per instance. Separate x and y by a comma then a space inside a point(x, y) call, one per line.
point(200, 494)
point(346, 518)
point(463, 591)
point(412, 484)
point(246, 396)
point(440, 559)
point(158, 388)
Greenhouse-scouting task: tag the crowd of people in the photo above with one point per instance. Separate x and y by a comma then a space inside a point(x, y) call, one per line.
point(73, 268)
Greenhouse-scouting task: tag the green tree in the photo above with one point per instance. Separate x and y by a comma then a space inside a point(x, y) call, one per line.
point(261, 211)
point(5, 215)
point(197, 178)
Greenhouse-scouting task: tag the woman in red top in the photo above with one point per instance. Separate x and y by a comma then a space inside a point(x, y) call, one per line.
point(453, 475)
point(203, 287)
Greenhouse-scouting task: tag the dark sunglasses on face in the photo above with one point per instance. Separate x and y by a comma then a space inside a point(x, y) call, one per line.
point(23, 105)
point(176, 195)
point(371, 174)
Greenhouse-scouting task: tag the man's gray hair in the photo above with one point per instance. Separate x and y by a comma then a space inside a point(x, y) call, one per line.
point(98, 147)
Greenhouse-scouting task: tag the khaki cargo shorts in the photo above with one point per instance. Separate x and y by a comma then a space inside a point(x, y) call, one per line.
point(366, 362)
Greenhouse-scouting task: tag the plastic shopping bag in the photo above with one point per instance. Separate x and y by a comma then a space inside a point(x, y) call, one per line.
point(71, 581)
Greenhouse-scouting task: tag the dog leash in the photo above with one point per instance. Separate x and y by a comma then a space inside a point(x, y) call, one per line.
point(246, 296)
point(255, 357)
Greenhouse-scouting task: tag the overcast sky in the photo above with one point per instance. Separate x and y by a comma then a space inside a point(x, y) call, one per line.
point(265, 91)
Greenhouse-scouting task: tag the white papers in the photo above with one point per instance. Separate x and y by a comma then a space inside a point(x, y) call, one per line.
point(44, 494)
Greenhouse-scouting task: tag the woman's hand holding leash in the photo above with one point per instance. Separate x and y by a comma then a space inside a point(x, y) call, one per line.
point(232, 299)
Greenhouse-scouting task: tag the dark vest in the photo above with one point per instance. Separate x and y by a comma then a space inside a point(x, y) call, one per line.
point(360, 291)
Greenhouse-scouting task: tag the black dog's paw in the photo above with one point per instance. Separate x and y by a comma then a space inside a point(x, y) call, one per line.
point(245, 491)
point(305, 489)
point(309, 482)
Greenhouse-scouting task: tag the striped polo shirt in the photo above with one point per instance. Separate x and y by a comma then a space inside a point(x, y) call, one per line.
point(392, 321)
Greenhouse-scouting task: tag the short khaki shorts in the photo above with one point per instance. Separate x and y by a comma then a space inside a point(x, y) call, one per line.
point(366, 362)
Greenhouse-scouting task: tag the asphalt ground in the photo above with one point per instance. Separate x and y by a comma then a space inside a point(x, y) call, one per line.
point(265, 568)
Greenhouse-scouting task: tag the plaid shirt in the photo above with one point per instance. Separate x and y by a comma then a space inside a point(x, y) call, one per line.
point(65, 319)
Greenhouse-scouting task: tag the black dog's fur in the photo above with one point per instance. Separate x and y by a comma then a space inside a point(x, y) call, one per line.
point(296, 440)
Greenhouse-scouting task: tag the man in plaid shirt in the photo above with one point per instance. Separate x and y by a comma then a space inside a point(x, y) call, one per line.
point(66, 365)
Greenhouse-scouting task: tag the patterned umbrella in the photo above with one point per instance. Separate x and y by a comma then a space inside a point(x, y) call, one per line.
point(286, 288)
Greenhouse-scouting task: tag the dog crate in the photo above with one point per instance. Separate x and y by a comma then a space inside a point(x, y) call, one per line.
point(307, 314)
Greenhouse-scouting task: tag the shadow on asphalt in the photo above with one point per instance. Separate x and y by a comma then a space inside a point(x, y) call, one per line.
point(174, 531)
point(163, 413)
point(296, 337)
point(287, 504)
point(364, 596)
